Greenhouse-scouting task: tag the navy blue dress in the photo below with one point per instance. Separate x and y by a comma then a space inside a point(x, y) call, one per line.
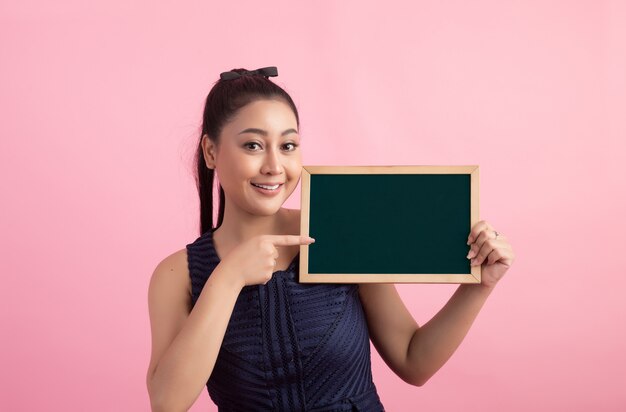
point(289, 346)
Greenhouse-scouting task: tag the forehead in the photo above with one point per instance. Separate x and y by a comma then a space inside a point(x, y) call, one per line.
point(271, 115)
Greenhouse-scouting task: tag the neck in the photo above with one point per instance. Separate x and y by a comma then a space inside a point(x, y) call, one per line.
point(239, 225)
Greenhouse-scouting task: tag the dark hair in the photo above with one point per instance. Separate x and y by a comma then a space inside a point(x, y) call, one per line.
point(223, 102)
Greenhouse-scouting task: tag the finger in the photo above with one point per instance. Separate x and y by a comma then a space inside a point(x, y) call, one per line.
point(288, 240)
point(495, 255)
point(483, 236)
point(486, 248)
point(475, 247)
point(500, 254)
point(508, 256)
point(504, 256)
point(475, 231)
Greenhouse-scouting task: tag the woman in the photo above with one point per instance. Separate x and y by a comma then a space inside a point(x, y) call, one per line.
point(228, 312)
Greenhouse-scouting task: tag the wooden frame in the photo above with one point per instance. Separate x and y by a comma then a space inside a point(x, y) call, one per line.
point(470, 275)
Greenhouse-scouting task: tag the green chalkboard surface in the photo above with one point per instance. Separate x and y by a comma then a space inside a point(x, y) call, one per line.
point(388, 224)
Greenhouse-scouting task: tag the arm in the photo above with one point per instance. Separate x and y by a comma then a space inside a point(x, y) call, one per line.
point(185, 343)
point(416, 353)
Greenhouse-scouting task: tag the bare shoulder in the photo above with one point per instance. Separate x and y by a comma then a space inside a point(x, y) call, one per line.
point(169, 303)
point(172, 273)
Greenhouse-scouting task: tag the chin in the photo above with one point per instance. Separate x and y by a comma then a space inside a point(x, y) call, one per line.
point(266, 211)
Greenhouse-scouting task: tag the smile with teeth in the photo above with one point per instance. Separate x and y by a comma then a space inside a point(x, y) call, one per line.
point(266, 187)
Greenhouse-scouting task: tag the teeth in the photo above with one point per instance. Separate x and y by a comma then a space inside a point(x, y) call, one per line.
point(266, 187)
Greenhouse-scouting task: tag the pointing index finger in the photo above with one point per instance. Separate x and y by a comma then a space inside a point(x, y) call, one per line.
point(288, 240)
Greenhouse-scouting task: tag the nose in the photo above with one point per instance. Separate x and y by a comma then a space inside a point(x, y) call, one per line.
point(271, 163)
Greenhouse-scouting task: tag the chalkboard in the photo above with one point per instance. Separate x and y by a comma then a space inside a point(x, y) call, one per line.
point(388, 224)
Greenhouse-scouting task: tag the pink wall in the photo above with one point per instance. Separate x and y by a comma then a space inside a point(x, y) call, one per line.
point(100, 111)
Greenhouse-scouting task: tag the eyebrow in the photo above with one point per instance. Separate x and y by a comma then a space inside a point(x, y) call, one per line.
point(264, 132)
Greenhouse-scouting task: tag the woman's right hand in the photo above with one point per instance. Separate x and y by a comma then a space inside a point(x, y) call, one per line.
point(255, 259)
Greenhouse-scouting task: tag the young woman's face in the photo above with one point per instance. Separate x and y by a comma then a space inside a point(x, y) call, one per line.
point(260, 145)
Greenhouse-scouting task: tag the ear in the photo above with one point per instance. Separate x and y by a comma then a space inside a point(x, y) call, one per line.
point(209, 150)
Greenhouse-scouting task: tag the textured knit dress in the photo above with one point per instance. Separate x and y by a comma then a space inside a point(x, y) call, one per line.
point(289, 346)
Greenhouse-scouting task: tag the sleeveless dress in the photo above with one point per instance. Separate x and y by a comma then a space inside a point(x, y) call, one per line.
point(289, 346)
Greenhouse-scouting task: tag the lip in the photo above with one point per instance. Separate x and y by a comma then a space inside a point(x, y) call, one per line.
point(268, 192)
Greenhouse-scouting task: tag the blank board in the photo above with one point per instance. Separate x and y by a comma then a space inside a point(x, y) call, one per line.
point(388, 224)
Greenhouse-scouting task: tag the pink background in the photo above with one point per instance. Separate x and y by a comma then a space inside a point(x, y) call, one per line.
point(101, 105)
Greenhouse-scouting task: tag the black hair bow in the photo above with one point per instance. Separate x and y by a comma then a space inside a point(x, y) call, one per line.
point(264, 71)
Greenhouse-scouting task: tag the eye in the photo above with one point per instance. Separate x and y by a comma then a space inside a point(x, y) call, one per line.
point(247, 145)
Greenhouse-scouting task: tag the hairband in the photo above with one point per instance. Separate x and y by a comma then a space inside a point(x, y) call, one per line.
point(264, 71)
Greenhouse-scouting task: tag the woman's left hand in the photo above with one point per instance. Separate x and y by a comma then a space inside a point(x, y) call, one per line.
point(489, 248)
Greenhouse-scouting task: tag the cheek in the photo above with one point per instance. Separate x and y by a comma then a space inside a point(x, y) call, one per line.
point(235, 166)
point(294, 165)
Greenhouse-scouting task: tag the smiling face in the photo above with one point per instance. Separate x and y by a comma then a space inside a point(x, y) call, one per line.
point(260, 145)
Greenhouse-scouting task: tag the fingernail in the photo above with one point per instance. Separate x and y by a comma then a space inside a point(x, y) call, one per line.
point(311, 238)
